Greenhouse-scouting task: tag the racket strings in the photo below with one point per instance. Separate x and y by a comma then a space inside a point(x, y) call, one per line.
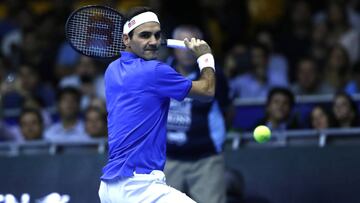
point(96, 32)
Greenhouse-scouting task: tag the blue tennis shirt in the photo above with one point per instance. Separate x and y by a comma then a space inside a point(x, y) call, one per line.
point(138, 93)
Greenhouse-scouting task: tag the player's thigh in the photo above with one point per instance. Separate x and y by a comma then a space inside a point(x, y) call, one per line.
point(171, 195)
point(102, 192)
point(175, 173)
point(206, 180)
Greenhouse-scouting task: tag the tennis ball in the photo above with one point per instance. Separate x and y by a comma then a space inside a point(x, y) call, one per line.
point(262, 134)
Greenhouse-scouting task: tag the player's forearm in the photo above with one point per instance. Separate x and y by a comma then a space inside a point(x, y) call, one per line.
point(204, 88)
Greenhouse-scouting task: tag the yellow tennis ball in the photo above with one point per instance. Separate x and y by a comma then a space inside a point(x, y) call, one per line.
point(262, 134)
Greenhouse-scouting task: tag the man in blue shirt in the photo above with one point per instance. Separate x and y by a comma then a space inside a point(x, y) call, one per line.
point(138, 89)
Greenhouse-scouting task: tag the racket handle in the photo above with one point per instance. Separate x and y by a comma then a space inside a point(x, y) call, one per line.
point(177, 44)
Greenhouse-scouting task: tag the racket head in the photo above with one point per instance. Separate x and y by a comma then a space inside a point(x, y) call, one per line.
point(96, 31)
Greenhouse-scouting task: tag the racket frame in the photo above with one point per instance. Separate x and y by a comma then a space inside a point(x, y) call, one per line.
point(79, 10)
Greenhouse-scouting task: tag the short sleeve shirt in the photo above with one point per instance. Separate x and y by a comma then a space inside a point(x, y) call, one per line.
point(138, 92)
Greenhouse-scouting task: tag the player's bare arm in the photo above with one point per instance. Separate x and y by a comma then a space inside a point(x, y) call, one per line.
point(204, 88)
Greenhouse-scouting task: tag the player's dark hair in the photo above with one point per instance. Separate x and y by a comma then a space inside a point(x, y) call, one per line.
point(134, 12)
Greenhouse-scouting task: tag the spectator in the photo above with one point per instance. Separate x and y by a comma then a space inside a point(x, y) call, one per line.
point(196, 132)
point(345, 111)
point(87, 79)
point(237, 61)
point(31, 124)
point(319, 43)
point(337, 68)
point(277, 65)
point(70, 127)
point(341, 31)
point(23, 88)
point(36, 103)
point(320, 118)
point(95, 122)
point(278, 110)
point(31, 85)
point(254, 83)
point(12, 44)
point(309, 80)
point(66, 60)
point(98, 103)
point(294, 41)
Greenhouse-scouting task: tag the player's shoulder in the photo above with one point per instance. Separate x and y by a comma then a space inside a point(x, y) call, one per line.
point(160, 64)
point(112, 65)
point(156, 65)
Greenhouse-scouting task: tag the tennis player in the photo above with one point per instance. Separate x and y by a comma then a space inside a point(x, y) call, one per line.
point(138, 91)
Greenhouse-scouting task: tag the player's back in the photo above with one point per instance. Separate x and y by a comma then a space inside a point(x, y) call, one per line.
point(136, 115)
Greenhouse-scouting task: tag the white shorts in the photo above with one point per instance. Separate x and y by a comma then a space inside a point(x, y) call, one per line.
point(141, 188)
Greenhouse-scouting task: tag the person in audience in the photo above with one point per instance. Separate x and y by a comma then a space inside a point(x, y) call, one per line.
point(237, 61)
point(97, 102)
point(278, 64)
point(278, 110)
point(295, 37)
point(31, 85)
point(320, 118)
point(95, 122)
point(309, 79)
point(70, 127)
point(341, 31)
point(36, 103)
point(345, 111)
point(196, 132)
point(337, 68)
point(256, 82)
point(319, 43)
point(31, 124)
point(87, 79)
point(26, 84)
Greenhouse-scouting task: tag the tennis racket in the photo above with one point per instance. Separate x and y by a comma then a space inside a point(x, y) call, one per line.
point(96, 31)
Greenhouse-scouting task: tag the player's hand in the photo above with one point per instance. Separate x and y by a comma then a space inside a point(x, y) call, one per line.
point(197, 46)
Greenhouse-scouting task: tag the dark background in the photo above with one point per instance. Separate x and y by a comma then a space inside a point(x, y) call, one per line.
point(274, 175)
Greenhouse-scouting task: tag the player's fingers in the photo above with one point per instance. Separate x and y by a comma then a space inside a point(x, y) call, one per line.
point(187, 42)
point(202, 42)
point(193, 41)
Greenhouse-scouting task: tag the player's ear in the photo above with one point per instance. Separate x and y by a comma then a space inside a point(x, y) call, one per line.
point(126, 40)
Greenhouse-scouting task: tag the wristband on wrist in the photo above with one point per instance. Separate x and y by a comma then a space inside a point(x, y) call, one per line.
point(206, 60)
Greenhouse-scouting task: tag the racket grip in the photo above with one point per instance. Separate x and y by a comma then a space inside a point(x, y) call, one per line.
point(177, 44)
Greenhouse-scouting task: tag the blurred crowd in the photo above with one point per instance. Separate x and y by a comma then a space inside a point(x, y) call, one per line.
point(270, 49)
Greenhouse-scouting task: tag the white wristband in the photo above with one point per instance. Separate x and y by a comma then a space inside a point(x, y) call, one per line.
point(206, 60)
